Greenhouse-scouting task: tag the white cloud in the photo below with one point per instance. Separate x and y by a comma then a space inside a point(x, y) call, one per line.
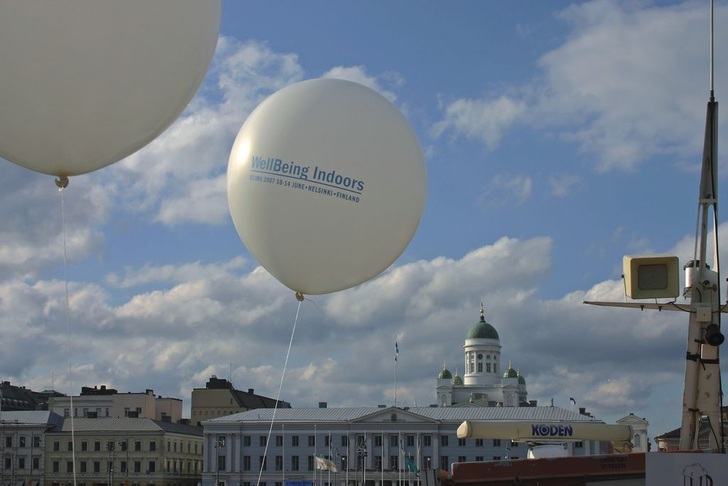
point(625, 86)
point(485, 120)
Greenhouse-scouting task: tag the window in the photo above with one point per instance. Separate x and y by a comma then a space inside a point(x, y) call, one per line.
point(84, 445)
point(327, 439)
point(496, 442)
point(21, 441)
point(461, 442)
point(262, 462)
point(137, 466)
point(279, 441)
point(344, 441)
point(36, 441)
point(410, 440)
point(378, 463)
point(153, 466)
point(56, 445)
point(262, 440)
point(56, 466)
point(123, 466)
point(97, 466)
point(69, 466)
point(294, 441)
point(246, 463)
point(97, 446)
point(21, 463)
point(70, 446)
point(444, 440)
point(393, 441)
point(221, 463)
point(479, 442)
point(246, 441)
point(461, 459)
point(279, 463)
point(311, 440)
point(427, 461)
point(220, 441)
point(426, 440)
point(478, 458)
point(310, 463)
point(294, 463)
point(487, 367)
point(152, 445)
point(82, 466)
point(377, 441)
point(394, 462)
point(137, 446)
point(36, 463)
point(444, 463)
point(496, 458)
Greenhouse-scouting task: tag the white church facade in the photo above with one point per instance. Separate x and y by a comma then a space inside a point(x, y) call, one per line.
point(483, 382)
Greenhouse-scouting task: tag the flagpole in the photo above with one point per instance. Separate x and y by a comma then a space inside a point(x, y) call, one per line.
point(396, 355)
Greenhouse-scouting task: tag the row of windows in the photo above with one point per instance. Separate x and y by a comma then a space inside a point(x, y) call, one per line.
point(108, 446)
point(99, 412)
point(21, 463)
point(23, 441)
point(393, 462)
point(394, 441)
point(123, 445)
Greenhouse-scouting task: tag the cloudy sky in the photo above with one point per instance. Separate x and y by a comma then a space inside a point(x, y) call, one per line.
point(558, 137)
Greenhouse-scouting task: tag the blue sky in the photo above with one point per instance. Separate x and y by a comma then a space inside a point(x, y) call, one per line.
point(558, 137)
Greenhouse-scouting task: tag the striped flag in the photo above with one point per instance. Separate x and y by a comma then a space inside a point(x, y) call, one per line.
point(396, 351)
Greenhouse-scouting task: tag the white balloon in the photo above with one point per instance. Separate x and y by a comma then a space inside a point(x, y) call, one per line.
point(326, 185)
point(84, 83)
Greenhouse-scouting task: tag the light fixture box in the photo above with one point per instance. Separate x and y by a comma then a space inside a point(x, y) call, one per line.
point(651, 276)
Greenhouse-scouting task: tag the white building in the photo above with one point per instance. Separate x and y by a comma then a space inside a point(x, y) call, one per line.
point(22, 446)
point(485, 382)
point(108, 403)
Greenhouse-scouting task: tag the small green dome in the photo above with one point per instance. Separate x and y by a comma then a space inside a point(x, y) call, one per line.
point(445, 373)
point(521, 379)
point(510, 372)
point(457, 380)
point(482, 330)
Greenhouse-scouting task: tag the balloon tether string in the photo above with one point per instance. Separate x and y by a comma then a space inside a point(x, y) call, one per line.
point(300, 299)
point(62, 183)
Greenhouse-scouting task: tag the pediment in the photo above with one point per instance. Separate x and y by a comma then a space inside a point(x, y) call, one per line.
point(394, 415)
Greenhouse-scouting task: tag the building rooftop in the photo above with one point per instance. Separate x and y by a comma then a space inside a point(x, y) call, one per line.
point(446, 414)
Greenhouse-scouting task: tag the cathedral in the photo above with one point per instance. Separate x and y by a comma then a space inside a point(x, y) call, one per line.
point(483, 383)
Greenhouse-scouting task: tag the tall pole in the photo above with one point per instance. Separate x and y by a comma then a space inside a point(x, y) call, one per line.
point(701, 396)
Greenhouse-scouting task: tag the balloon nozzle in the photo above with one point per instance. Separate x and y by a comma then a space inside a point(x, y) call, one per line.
point(61, 182)
point(299, 296)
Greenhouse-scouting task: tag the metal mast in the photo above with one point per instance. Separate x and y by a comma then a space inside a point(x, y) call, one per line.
point(702, 394)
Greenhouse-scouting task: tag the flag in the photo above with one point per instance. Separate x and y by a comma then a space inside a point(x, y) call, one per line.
point(410, 465)
point(325, 464)
point(396, 351)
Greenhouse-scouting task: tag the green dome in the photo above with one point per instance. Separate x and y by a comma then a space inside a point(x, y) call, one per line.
point(444, 374)
point(457, 380)
point(521, 379)
point(510, 373)
point(482, 330)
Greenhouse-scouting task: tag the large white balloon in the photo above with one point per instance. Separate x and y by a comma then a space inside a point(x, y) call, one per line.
point(326, 184)
point(84, 83)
